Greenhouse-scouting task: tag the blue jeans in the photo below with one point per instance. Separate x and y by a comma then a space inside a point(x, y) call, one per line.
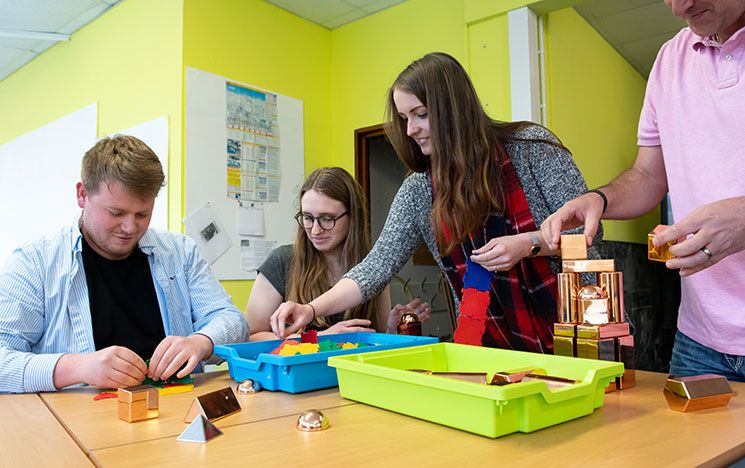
point(693, 358)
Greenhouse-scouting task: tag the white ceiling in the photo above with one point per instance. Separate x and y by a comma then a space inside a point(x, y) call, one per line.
point(334, 13)
point(24, 24)
point(635, 28)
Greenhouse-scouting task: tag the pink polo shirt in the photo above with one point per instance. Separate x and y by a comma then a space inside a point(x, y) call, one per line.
point(695, 109)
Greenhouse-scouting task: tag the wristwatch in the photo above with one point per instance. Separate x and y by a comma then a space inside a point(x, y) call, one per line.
point(535, 249)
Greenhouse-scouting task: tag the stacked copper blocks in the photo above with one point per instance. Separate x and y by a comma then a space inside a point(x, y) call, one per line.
point(591, 320)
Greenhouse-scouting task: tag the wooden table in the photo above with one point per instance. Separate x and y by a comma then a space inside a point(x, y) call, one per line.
point(31, 436)
point(95, 424)
point(633, 428)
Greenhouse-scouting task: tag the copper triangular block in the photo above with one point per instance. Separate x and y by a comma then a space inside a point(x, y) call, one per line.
point(200, 430)
point(214, 405)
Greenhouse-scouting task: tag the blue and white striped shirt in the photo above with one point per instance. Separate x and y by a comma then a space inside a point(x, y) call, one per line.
point(44, 308)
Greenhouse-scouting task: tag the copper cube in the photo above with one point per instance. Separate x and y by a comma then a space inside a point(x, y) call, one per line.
point(588, 266)
point(137, 403)
point(573, 247)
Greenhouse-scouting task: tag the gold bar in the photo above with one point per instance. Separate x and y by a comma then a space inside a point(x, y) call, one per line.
point(596, 332)
point(588, 266)
point(565, 329)
point(564, 346)
point(612, 285)
point(567, 303)
point(604, 350)
point(573, 247)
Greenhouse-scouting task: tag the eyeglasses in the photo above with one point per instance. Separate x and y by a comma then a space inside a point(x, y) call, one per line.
point(327, 223)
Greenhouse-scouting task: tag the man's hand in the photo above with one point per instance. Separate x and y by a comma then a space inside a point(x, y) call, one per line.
point(584, 210)
point(718, 226)
point(179, 352)
point(300, 315)
point(112, 367)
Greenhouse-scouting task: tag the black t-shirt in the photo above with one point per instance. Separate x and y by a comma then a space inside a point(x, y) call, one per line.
point(124, 307)
point(276, 269)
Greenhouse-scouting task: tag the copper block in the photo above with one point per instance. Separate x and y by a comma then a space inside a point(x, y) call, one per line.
point(659, 253)
point(697, 392)
point(137, 403)
point(604, 349)
point(477, 377)
point(573, 247)
point(588, 266)
point(596, 332)
point(550, 380)
point(627, 380)
point(612, 285)
point(564, 346)
point(567, 303)
point(611, 387)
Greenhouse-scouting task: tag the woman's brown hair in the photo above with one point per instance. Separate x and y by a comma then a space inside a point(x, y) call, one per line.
point(309, 270)
point(467, 146)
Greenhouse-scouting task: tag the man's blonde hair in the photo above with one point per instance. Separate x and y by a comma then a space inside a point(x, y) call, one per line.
point(125, 159)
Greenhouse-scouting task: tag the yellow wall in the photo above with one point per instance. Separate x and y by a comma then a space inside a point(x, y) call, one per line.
point(367, 55)
point(594, 100)
point(128, 60)
point(254, 42)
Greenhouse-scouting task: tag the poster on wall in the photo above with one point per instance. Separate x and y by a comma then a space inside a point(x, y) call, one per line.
point(253, 169)
point(243, 156)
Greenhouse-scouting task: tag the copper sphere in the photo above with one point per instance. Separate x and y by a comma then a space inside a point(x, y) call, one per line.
point(312, 421)
point(591, 292)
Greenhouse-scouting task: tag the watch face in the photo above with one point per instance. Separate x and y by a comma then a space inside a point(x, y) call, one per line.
point(535, 250)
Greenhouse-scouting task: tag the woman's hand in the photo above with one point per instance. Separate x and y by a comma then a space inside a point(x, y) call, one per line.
point(502, 253)
point(421, 309)
point(349, 326)
point(298, 316)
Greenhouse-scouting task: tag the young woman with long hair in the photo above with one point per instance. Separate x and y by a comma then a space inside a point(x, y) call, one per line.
point(478, 192)
point(332, 236)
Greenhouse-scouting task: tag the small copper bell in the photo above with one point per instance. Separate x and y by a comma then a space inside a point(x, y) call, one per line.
point(409, 324)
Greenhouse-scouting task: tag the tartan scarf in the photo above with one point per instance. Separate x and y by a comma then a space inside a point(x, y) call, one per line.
point(513, 309)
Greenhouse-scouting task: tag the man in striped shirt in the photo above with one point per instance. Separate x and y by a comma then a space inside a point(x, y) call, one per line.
point(91, 304)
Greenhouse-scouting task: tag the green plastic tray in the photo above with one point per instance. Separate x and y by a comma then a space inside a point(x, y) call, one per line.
point(381, 379)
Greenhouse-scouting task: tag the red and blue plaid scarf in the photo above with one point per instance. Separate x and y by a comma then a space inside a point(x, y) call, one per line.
point(513, 309)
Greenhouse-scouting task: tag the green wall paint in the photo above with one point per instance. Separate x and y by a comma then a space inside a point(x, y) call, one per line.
point(594, 100)
point(128, 60)
point(367, 55)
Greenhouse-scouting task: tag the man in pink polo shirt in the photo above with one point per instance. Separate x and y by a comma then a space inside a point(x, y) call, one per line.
point(692, 144)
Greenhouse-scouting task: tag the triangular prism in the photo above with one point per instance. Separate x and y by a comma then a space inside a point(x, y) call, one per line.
point(214, 405)
point(200, 430)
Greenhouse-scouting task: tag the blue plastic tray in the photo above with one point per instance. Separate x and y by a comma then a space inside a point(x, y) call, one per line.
point(304, 372)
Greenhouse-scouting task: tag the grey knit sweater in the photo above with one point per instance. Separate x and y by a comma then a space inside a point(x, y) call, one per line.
point(547, 175)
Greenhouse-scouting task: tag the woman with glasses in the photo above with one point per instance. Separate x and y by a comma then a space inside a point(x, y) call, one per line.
point(478, 191)
point(332, 236)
